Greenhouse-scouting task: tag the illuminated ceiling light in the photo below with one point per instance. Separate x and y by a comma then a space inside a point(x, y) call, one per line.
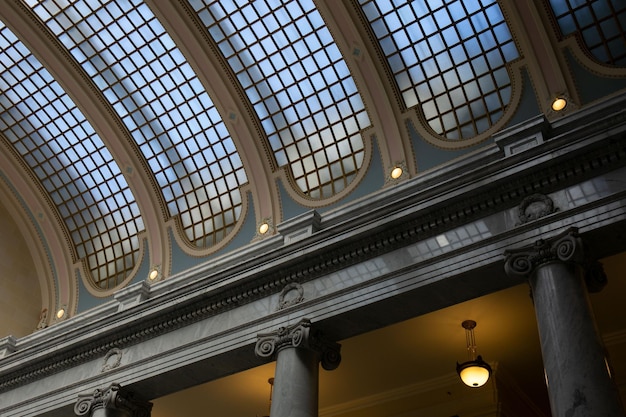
point(60, 313)
point(264, 228)
point(154, 274)
point(475, 372)
point(396, 173)
point(559, 103)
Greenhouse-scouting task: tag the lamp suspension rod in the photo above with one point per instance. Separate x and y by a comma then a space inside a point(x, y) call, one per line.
point(470, 339)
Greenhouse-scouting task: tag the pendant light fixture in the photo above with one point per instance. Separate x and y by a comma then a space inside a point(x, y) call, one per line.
point(475, 372)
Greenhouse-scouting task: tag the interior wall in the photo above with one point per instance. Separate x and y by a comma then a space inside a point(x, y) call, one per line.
point(20, 298)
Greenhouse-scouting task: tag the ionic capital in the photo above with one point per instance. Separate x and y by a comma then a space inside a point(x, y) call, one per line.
point(566, 247)
point(300, 335)
point(123, 402)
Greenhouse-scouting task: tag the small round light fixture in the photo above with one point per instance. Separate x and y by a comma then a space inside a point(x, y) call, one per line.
point(264, 228)
point(60, 313)
point(396, 173)
point(559, 103)
point(154, 274)
point(475, 372)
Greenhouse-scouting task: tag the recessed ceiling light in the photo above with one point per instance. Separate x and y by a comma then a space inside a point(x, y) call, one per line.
point(154, 274)
point(559, 104)
point(60, 313)
point(264, 228)
point(396, 173)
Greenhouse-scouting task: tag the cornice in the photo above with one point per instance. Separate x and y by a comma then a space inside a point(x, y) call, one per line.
point(392, 219)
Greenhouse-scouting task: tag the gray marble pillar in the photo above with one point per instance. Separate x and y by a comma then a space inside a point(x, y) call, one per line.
point(298, 349)
point(113, 401)
point(579, 383)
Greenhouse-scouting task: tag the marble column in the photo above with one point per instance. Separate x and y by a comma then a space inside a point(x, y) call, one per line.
point(579, 382)
point(113, 401)
point(298, 350)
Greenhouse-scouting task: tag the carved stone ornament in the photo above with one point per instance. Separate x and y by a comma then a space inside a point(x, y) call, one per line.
point(291, 295)
point(566, 247)
point(115, 399)
point(299, 335)
point(112, 360)
point(534, 207)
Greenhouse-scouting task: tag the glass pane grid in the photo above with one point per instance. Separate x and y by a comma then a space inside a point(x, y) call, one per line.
point(601, 24)
point(295, 77)
point(76, 169)
point(449, 59)
point(141, 72)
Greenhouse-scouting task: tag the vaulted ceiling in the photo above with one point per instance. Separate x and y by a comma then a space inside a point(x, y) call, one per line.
point(134, 130)
point(140, 136)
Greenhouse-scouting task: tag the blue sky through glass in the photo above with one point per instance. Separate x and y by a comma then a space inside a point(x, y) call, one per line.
point(144, 76)
point(297, 81)
point(449, 59)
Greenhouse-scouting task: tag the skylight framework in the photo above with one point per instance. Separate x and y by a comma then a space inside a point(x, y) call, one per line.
point(55, 140)
point(144, 76)
point(299, 84)
point(448, 58)
point(601, 25)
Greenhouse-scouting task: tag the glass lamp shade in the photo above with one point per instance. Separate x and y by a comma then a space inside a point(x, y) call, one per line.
point(474, 373)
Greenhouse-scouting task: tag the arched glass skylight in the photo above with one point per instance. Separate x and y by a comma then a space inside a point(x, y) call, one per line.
point(52, 136)
point(126, 51)
point(295, 77)
point(600, 23)
point(447, 57)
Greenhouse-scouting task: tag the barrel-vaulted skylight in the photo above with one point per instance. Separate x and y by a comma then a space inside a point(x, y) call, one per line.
point(448, 58)
point(144, 76)
point(299, 84)
point(55, 140)
point(600, 24)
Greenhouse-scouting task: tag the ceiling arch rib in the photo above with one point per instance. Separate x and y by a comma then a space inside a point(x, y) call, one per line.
point(385, 113)
point(147, 81)
point(298, 83)
point(55, 140)
point(450, 61)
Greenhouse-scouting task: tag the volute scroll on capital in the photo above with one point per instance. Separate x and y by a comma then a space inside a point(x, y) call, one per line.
point(299, 335)
point(115, 398)
point(566, 247)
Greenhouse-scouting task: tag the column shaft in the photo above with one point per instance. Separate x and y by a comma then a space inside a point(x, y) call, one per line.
point(295, 384)
point(299, 349)
point(578, 380)
point(579, 383)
